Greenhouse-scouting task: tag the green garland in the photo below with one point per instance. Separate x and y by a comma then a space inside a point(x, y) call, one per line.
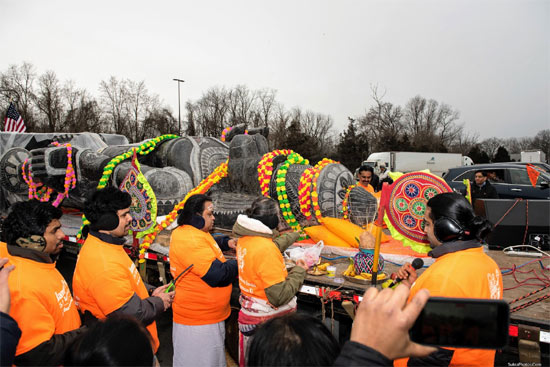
point(293, 158)
point(144, 149)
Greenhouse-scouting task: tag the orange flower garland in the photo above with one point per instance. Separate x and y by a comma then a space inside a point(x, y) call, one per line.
point(227, 130)
point(265, 168)
point(45, 192)
point(304, 192)
point(314, 196)
point(345, 204)
point(205, 185)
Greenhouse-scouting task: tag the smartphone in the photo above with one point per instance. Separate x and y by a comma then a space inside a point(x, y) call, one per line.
point(462, 323)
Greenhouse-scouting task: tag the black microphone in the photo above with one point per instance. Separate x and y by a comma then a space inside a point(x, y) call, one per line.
point(416, 264)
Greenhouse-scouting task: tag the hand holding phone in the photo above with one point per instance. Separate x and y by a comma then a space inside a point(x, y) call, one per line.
point(166, 296)
point(463, 323)
point(383, 320)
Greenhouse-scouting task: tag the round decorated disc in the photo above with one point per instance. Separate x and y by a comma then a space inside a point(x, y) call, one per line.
point(408, 202)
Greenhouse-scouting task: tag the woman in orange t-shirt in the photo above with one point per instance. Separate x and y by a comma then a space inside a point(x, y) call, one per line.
point(461, 269)
point(202, 297)
point(267, 289)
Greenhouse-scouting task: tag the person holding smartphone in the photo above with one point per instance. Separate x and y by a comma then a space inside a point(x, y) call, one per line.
point(106, 281)
point(461, 270)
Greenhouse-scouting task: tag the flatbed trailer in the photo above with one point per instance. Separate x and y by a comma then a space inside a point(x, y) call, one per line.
point(322, 297)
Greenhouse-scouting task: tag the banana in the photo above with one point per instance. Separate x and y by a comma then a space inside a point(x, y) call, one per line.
point(350, 271)
point(368, 276)
point(323, 266)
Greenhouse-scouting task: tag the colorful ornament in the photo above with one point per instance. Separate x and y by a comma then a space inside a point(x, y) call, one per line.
point(45, 192)
point(144, 202)
point(345, 202)
point(265, 168)
point(284, 203)
point(227, 130)
point(314, 196)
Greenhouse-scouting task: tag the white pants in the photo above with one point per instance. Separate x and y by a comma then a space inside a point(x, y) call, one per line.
point(199, 345)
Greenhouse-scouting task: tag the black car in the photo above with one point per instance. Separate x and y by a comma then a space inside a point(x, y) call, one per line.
point(511, 180)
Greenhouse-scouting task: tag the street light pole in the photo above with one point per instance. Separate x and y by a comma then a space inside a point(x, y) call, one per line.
point(179, 105)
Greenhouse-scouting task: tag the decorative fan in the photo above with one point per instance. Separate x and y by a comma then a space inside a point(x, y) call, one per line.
point(144, 203)
point(407, 204)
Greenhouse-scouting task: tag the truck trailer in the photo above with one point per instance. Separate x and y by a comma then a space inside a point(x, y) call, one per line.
point(437, 163)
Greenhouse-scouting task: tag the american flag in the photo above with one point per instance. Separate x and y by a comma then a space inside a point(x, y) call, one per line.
point(14, 122)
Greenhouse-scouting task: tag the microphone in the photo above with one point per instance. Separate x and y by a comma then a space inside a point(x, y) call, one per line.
point(416, 264)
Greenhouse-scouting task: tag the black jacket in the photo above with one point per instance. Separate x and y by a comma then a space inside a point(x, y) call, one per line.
point(9, 337)
point(487, 191)
point(356, 354)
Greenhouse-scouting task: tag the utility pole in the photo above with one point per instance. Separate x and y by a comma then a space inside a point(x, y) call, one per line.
point(179, 104)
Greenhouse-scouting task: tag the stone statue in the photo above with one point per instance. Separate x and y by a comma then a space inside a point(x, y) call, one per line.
point(172, 169)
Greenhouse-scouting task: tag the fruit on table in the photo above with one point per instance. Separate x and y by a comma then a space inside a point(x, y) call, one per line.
point(323, 266)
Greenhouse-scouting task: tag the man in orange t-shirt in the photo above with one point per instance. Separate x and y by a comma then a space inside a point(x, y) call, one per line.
point(461, 270)
point(41, 301)
point(202, 295)
point(106, 281)
point(366, 175)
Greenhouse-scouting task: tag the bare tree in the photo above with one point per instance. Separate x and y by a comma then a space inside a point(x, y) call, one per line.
point(490, 146)
point(49, 100)
point(16, 84)
point(211, 112)
point(159, 121)
point(381, 126)
point(114, 97)
point(517, 145)
point(278, 127)
point(464, 142)
point(542, 141)
point(318, 127)
point(82, 112)
point(431, 126)
point(266, 98)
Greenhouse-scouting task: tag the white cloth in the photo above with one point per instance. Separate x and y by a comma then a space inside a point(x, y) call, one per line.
point(199, 345)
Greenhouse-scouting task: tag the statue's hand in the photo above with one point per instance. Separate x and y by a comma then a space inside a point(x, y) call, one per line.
point(50, 164)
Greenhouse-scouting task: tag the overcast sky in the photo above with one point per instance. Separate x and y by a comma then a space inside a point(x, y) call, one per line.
point(488, 59)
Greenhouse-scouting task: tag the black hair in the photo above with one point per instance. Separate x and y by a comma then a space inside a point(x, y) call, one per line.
point(365, 168)
point(483, 173)
point(107, 200)
point(27, 218)
point(455, 206)
point(294, 339)
point(117, 341)
point(266, 210)
point(193, 206)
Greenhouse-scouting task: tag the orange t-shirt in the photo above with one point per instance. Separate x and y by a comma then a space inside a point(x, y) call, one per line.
point(463, 274)
point(3, 250)
point(369, 188)
point(261, 265)
point(196, 303)
point(41, 302)
point(105, 279)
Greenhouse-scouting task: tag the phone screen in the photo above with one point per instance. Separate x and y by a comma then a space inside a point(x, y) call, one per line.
point(463, 323)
